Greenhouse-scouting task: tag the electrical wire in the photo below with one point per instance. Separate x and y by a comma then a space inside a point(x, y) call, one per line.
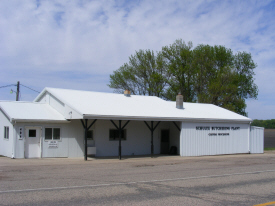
point(29, 88)
point(8, 85)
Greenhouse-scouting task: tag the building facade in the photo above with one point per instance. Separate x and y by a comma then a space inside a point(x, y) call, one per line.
point(71, 123)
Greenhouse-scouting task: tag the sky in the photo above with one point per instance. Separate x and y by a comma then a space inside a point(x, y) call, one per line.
point(78, 44)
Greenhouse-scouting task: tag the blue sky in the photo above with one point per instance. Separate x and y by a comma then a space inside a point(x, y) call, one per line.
point(78, 44)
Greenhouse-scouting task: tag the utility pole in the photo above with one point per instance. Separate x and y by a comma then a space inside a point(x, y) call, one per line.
point(18, 90)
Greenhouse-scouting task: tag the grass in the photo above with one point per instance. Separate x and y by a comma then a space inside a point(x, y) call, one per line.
point(269, 148)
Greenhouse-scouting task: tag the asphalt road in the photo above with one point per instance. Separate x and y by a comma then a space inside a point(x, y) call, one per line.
point(213, 180)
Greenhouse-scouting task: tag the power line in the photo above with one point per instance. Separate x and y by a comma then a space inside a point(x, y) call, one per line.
point(8, 85)
point(30, 88)
point(18, 93)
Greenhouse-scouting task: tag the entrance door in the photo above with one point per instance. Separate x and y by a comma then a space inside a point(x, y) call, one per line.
point(32, 144)
point(164, 145)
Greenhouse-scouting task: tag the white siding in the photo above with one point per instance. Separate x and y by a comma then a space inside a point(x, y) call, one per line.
point(138, 140)
point(6, 145)
point(53, 101)
point(195, 142)
point(70, 113)
point(70, 144)
point(257, 140)
point(45, 98)
point(57, 104)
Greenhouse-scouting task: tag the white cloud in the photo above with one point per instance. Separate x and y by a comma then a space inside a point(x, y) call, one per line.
point(46, 43)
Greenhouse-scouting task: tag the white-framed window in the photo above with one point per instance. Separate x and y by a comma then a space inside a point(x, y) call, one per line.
point(90, 135)
point(114, 134)
point(52, 133)
point(6, 133)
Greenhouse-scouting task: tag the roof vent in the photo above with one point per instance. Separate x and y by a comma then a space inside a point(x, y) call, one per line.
point(127, 93)
point(179, 101)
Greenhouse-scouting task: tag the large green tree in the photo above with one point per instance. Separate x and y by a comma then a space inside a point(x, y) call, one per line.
point(144, 74)
point(205, 74)
point(178, 59)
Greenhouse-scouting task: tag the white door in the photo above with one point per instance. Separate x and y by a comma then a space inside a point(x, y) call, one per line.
point(32, 144)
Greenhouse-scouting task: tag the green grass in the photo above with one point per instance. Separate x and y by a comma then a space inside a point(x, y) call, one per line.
point(269, 148)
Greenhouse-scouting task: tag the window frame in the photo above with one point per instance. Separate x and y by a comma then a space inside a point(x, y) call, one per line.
point(52, 133)
point(6, 132)
point(123, 138)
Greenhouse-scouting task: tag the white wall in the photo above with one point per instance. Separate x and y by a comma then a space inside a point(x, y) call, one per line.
point(53, 101)
point(138, 140)
point(195, 142)
point(70, 144)
point(6, 145)
point(257, 140)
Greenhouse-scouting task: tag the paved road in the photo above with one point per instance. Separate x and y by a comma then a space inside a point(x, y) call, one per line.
point(215, 180)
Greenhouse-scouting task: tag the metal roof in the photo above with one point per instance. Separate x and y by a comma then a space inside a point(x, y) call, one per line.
point(30, 111)
point(100, 105)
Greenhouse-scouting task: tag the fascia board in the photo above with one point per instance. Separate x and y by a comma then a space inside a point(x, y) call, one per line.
point(147, 118)
point(41, 94)
point(5, 114)
point(41, 120)
point(63, 101)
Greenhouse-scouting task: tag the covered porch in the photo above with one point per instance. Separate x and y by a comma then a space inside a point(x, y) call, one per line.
point(109, 138)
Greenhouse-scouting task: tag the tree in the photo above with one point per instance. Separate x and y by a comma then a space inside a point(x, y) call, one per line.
point(178, 58)
point(267, 124)
point(222, 78)
point(206, 74)
point(144, 74)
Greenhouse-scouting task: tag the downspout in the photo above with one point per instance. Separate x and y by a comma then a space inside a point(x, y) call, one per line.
point(249, 140)
point(180, 141)
point(14, 139)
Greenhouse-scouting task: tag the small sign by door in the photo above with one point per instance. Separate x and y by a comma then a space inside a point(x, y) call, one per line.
point(53, 144)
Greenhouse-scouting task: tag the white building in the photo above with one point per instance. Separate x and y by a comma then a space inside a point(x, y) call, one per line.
point(57, 122)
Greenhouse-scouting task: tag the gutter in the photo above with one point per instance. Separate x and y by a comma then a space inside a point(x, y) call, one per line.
point(39, 120)
point(148, 118)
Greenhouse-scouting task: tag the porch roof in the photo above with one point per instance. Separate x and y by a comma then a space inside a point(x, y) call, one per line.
point(30, 111)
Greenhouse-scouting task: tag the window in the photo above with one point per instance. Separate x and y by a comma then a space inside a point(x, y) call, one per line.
point(52, 133)
point(90, 135)
point(114, 134)
point(6, 133)
point(32, 133)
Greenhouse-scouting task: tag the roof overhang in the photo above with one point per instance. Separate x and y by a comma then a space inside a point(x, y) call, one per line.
point(148, 118)
point(39, 121)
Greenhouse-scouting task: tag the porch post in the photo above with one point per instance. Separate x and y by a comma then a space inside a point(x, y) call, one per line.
point(152, 129)
point(119, 144)
point(152, 139)
point(85, 142)
point(86, 128)
point(120, 129)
